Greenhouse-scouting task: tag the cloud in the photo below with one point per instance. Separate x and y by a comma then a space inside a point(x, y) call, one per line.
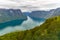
point(30, 4)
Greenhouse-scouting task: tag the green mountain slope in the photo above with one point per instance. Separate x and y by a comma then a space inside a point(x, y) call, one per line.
point(50, 30)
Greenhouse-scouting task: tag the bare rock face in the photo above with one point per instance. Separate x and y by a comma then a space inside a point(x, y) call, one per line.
point(11, 14)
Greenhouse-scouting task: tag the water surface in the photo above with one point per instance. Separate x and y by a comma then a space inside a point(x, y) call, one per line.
point(19, 25)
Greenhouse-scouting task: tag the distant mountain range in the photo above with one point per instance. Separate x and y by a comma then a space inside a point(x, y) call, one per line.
point(39, 14)
point(45, 14)
point(26, 13)
point(11, 14)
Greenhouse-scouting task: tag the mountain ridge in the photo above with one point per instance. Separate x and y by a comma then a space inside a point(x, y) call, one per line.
point(11, 14)
point(45, 14)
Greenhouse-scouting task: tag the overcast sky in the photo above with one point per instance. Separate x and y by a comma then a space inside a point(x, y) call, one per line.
point(28, 5)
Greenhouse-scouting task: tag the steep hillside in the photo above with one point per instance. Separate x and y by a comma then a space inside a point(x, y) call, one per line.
point(10, 14)
point(50, 30)
point(56, 12)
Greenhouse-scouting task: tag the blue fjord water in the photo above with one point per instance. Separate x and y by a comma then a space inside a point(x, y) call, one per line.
point(18, 25)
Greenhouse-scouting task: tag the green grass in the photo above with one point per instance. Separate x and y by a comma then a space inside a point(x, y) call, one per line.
point(50, 30)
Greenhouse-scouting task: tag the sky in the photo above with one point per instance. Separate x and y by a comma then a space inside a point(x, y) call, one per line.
point(29, 5)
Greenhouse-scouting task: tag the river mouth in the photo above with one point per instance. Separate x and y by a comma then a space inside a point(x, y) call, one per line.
point(19, 25)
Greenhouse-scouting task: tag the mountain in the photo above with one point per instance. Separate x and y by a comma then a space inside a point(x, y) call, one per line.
point(55, 12)
point(11, 14)
point(26, 13)
point(45, 14)
point(50, 30)
point(39, 14)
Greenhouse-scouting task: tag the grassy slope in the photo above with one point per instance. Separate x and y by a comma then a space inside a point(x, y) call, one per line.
point(50, 30)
